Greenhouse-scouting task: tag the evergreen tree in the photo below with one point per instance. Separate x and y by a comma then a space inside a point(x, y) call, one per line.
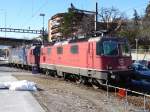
point(136, 17)
point(67, 24)
point(147, 12)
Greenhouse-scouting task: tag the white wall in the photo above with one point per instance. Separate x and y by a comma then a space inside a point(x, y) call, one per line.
point(140, 56)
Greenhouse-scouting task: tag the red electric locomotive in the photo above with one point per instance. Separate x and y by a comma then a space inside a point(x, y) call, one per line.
point(97, 59)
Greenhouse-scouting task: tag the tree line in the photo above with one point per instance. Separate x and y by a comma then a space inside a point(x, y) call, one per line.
point(113, 21)
point(137, 28)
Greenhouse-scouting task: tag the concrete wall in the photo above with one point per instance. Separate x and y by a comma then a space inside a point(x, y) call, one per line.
point(140, 56)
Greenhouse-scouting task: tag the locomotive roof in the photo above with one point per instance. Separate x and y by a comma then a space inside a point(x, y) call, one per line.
point(93, 39)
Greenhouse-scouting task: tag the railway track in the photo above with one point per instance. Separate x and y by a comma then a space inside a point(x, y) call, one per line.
point(132, 98)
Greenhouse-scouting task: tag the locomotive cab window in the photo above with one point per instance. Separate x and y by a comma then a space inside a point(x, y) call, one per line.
point(125, 49)
point(107, 48)
point(59, 50)
point(99, 49)
point(110, 48)
point(48, 51)
point(74, 49)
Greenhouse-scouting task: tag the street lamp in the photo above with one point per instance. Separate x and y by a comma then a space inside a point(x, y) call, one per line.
point(136, 48)
point(43, 15)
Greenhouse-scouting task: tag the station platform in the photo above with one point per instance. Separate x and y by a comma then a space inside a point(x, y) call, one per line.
point(16, 101)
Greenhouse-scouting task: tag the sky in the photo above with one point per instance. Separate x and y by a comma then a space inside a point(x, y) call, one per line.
point(25, 13)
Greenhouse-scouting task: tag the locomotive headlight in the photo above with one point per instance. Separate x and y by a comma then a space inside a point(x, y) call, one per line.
point(113, 76)
point(109, 67)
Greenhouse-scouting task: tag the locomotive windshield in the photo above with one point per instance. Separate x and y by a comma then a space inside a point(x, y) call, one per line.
point(110, 48)
point(125, 49)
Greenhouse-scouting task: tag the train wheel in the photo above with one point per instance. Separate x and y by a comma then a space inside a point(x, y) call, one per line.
point(29, 68)
point(51, 72)
point(44, 71)
point(82, 80)
point(66, 76)
point(47, 72)
point(56, 74)
point(79, 80)
point(96, 83)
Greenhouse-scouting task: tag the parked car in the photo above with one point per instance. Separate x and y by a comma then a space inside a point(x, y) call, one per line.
point(143, 62)
point(141, 72)
point(148, 65)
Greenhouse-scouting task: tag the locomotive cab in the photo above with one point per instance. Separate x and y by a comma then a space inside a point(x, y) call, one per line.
point(115, 58)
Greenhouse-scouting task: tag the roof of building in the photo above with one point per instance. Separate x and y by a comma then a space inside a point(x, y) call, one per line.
point(57, 15)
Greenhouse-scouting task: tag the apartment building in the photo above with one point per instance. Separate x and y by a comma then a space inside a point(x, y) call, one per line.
point(54, 24)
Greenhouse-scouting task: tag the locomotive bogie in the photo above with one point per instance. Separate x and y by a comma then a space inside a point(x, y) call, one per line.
point(76, 70)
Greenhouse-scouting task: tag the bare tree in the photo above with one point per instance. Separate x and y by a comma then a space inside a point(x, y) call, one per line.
point(111, 17)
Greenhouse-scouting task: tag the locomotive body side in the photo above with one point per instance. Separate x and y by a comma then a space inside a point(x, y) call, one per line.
point(18, 57)
point(84, 59)
point(30, 57)
point(33, 56)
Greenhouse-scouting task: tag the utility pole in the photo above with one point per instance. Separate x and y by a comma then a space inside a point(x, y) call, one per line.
point(136, 48)
point(96, 16)
point(43, 15)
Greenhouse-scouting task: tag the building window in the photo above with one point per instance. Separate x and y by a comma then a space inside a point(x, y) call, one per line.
point(74, 49)
point(48, 51)
point(59, 50)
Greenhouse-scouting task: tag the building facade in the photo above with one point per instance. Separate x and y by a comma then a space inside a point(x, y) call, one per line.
point(83, 24)
point(54, 25)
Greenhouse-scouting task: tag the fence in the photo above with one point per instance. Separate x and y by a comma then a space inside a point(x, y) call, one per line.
point(144, 105)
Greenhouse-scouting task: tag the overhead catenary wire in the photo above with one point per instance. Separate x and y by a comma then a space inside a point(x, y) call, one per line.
point(36, 12)
point(45, 4)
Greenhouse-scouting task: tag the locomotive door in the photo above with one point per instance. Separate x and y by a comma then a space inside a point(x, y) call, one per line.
point(36, 53)
point(90, 56)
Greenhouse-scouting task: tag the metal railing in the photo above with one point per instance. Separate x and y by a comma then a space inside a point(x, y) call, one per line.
point(21, 30)
point(143, 107)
